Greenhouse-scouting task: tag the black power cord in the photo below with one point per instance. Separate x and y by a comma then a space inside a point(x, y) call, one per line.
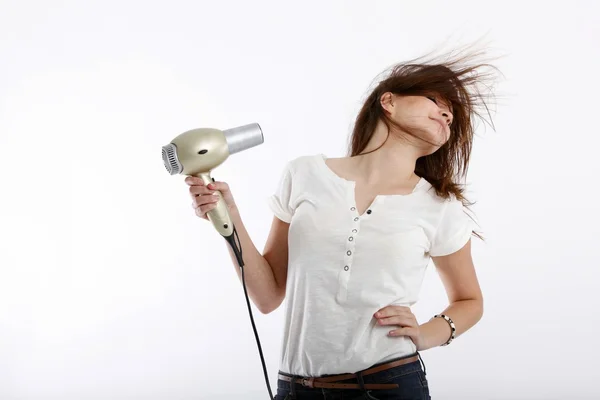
point(237, 249)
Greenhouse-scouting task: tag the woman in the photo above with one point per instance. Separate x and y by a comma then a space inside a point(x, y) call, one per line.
point(351, 239)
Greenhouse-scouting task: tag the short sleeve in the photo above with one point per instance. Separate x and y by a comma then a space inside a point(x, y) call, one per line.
point(280, 200)
point(454, 230)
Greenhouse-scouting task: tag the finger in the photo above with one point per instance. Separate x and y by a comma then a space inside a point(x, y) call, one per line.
point(403, 332)
point(392, 310)
point(199, 213)
point(220, 186)
point(201, 200)
point(205, 208)
point(194, 180)
point(196, 190)
point(399, 320)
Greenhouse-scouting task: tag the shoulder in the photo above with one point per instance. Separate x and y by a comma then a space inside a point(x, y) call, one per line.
point(302, 162)
point(439, 206)
point(434, 199)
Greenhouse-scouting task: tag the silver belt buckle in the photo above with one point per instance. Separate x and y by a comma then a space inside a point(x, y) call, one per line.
point(307, 382)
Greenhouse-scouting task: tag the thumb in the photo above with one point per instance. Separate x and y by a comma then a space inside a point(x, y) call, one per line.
point(222, 187)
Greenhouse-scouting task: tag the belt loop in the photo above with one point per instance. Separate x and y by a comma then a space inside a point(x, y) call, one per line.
point(292, 394)
point(361, 382)
point(422, 363)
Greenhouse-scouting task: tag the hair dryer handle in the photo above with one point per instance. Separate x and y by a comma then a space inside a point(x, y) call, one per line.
point(219, 216)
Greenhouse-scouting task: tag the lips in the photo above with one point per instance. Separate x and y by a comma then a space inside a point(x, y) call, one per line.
point(441, 123)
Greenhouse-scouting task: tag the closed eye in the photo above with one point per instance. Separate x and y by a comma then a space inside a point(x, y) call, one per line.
point(435, 101)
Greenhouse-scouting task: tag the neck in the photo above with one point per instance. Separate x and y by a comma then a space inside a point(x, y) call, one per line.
point(391, 165)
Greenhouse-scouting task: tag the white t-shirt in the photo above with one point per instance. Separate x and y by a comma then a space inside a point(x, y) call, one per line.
point(343, 267)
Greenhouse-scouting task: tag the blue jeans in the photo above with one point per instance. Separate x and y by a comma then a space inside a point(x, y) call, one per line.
point(410, 378)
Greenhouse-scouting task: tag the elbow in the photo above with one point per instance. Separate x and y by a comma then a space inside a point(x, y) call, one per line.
point(271, 306)
point(479, 309)
point(266, 309)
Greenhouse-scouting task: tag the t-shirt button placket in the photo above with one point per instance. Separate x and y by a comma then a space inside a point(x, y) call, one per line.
point(348, 259)
point(350, 242)
point(344, 278)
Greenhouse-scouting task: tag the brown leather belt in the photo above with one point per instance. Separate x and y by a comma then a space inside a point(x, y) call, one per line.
point(327, 382)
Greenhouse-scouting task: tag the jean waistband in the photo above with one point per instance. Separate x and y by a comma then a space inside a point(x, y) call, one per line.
point(329, 381)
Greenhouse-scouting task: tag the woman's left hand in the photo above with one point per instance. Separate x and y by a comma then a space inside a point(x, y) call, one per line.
point(404, 318)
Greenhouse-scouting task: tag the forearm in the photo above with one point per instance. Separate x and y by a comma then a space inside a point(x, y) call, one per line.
point(464, 313)
point(260, 281)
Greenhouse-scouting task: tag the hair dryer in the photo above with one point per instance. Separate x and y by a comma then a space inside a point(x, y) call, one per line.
point(196, 153)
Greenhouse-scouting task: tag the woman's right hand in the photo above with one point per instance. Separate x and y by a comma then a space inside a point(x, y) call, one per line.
point(203, 199)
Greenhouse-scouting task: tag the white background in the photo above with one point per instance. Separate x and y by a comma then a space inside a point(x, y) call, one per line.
point(111, 287)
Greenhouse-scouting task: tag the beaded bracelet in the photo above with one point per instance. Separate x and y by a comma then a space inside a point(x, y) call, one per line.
point(449, 320)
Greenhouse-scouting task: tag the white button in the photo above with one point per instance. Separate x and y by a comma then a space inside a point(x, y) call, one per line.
point(350, 238)
point(353, 208)
point(349, 252)
point(346, 268)
point(354, 230)
point(356, 219)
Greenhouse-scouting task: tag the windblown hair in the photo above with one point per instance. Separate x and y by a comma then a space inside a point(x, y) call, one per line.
point(455, 82)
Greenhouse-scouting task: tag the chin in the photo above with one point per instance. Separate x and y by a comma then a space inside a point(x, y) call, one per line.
point(438, 136)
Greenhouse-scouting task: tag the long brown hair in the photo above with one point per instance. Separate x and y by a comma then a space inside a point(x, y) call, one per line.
point(455, 82)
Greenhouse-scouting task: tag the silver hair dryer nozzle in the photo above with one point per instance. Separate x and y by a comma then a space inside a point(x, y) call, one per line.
point(243, 137)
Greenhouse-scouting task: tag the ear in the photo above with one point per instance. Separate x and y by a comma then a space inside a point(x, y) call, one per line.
point(386, 100)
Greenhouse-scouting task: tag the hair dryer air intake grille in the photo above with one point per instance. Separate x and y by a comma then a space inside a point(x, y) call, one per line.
point(169, 155)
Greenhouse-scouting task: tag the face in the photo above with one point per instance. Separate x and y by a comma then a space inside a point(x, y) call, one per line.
point(427, 117)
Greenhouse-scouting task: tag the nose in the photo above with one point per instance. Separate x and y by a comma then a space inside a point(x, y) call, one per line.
point(446, 117)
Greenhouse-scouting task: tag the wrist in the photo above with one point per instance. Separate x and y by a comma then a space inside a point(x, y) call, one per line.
point(450, 329)
point(433, 333)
